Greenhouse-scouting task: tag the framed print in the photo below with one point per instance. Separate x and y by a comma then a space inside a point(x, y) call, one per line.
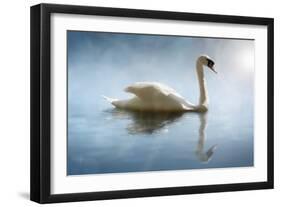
point(133, 103)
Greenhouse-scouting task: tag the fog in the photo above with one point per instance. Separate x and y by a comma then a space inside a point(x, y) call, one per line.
point(105, 63)
point(102, 140)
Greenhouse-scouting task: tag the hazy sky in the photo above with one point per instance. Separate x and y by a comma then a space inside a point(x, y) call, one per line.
point(105, 63)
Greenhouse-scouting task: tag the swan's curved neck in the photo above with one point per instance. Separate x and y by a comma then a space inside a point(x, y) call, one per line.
point(203, 99)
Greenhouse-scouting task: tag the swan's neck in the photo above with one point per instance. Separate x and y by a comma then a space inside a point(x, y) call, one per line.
point(203, 98)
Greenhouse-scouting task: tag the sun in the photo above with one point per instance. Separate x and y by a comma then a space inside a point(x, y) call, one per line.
point(246, 59)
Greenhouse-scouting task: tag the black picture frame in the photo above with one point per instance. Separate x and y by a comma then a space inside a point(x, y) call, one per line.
point(41, 98)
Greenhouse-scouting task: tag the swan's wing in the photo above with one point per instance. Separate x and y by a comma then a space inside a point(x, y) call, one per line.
point(149, 90)
point(159, 94)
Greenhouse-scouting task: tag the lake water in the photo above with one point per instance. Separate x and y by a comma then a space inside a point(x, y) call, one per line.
point(112, 140)
point(102, 139)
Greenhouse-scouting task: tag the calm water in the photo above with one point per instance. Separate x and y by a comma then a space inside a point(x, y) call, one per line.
point(102, 139)
point(112, 140)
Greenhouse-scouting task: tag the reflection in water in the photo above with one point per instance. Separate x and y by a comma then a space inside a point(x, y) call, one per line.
point(203, 156)
point(144, 122)
point(152, 122)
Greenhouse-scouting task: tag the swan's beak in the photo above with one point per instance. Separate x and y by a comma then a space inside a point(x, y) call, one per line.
point(211, 64)
point(213, 69)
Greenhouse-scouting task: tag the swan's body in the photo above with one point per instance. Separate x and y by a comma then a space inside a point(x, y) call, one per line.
point(153, 96)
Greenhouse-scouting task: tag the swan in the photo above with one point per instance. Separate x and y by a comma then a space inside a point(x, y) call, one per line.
point(157, 97)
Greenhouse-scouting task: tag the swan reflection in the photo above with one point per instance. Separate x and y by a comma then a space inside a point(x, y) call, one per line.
point(146, 123)
point(203, 156)
point(149, 123)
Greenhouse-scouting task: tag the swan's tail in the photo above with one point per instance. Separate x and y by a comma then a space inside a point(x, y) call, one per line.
point(110, 100)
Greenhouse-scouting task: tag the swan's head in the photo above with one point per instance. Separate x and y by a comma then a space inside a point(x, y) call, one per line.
point(207, 61)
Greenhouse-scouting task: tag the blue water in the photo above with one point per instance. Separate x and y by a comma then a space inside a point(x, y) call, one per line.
point(102, 139)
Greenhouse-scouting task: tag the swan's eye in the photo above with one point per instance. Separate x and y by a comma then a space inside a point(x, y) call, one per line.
point(210, 63)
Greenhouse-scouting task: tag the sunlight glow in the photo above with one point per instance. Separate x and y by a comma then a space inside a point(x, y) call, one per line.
point(246, 59)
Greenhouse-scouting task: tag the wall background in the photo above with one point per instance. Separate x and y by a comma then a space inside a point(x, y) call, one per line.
point(14, 103)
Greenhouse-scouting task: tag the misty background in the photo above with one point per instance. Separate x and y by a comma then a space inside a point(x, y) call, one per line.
point(101, 63)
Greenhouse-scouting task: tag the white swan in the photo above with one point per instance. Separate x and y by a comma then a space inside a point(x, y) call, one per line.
point(153, 96)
